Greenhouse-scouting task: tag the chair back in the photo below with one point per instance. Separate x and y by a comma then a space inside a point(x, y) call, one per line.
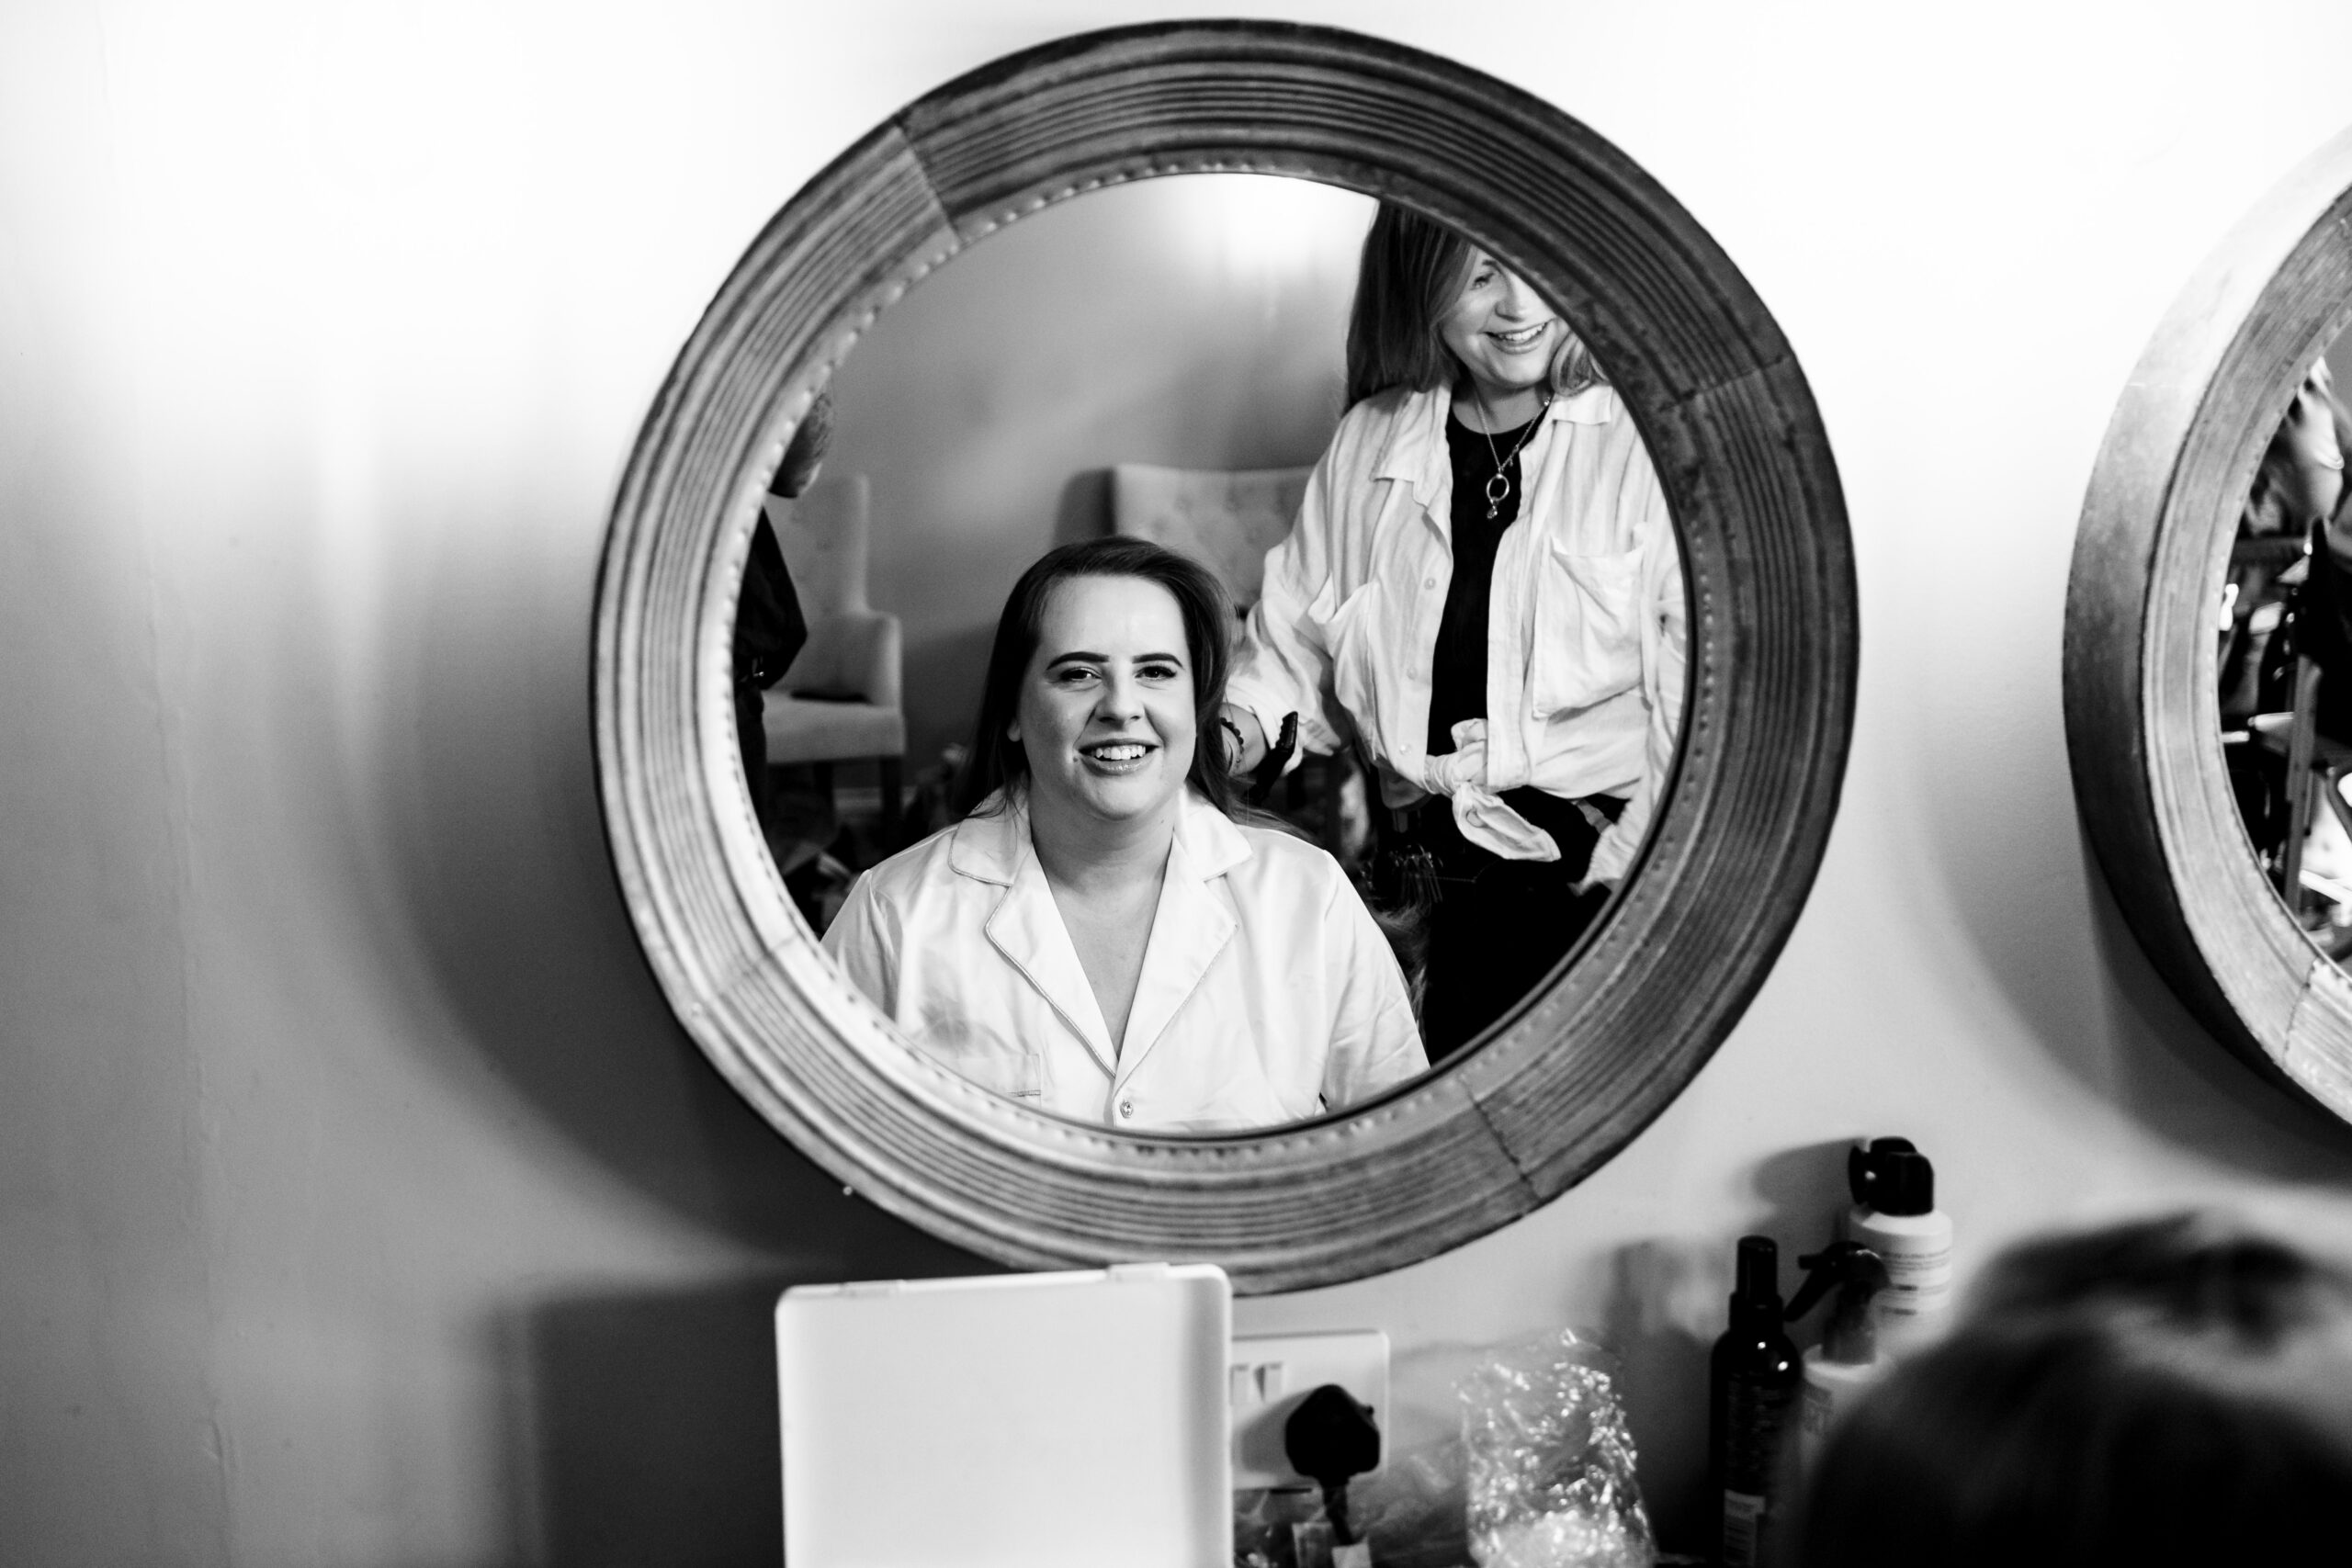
point(1225, 519)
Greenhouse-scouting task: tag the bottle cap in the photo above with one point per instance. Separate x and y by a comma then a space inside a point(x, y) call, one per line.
point(1758, 1291)
point(1891, 1176)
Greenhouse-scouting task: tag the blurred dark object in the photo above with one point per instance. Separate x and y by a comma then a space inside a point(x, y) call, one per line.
point(2163, 1392)
point(1263, 777)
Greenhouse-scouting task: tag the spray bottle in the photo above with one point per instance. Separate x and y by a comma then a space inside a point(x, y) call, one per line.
point(1847, 1360)
point(1894, 1215)
point(1755, 1382)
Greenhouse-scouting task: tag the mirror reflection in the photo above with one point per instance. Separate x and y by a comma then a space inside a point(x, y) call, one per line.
point(1230, 656)
point(2285, 667)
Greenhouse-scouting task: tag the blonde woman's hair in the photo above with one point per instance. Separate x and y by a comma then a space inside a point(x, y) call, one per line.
point(1412, 270)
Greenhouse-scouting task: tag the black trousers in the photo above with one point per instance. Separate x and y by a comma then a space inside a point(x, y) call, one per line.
point(1496, 928)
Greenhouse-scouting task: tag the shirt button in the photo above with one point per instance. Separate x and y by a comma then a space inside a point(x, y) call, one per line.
point(1127, 1110)
point(1429, 583)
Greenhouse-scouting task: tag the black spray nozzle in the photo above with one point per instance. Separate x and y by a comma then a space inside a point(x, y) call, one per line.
point(1857, 1274)
point(1330, 1438)
point(1840, 1264)
point(1891, 1176)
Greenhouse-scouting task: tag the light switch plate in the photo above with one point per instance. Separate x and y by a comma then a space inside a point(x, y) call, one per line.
point(1266, 1377)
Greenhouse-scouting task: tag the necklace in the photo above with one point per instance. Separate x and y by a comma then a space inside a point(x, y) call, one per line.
point(1499, 488)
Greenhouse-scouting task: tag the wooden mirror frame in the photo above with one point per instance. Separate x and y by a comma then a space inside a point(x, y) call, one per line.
point(1584, 1063)
point(2142, 727)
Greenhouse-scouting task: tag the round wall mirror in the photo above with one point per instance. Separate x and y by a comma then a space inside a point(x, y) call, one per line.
point(1048, 386)
point(2208, 737)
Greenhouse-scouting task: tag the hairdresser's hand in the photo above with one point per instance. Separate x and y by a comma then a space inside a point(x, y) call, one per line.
point(1243, 737)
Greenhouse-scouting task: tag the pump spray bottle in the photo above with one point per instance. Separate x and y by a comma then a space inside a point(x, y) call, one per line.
point(1847, 1360)
point(1894, 1215)
point(1754, 1383)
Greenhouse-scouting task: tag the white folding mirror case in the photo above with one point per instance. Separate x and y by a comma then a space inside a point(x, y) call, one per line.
point(1037, 1420)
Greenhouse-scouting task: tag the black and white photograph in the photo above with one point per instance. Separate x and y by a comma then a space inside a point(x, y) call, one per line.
point(1057, 782)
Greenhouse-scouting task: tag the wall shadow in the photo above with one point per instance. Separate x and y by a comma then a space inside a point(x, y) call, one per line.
point(1083, 509)
point(1804, 1190)
point(486, 864)
point(646, 1427)
point(1665, 1384)
point(943, 674)
point(2175, 1078)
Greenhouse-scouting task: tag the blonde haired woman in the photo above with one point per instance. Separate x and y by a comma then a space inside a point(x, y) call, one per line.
point(1484, 591)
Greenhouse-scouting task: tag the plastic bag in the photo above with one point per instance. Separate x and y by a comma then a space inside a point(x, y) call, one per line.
point(1286, 1528)
point(1411, 1511)
point(1550, 1460)
point(1265, 1524)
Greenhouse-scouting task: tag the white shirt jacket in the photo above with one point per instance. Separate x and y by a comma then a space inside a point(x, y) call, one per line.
point(1267, 993)
point(1587, 625)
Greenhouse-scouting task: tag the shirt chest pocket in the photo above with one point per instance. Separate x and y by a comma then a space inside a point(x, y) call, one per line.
point(1194, 1097)
point(1588, 644)
point(1213, 1071)
point(980, 1054)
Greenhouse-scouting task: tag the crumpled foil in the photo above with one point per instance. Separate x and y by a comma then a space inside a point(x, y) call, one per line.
point(1551, 1460)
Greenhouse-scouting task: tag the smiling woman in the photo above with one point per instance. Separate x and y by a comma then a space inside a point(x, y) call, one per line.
point(1097, 937)
point(1485, 591)
point(1505, 339)
point(1105, 715)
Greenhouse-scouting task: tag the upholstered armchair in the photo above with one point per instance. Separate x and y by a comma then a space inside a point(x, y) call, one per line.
point(839, 701)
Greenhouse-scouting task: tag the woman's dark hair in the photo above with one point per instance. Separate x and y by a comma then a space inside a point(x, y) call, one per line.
point(997, 762)
point(1413, 268)
point(2176, 1391)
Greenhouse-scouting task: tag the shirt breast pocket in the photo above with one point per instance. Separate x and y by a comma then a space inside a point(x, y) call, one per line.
point(982, 1056)
point(1246, 1098)
point(1210, 1073)
point(1587, 642)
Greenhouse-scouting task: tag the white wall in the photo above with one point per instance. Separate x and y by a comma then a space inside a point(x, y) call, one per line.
point(359, 1202)
point(1194, 322)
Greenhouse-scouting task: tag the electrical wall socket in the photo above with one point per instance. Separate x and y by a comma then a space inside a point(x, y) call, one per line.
point(1267, 1376)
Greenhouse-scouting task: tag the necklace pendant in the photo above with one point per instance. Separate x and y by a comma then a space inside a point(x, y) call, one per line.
point(1497, 488)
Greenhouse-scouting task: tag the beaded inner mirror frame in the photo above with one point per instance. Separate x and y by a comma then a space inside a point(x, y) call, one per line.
point(2142, 719)
point(1586, 1062)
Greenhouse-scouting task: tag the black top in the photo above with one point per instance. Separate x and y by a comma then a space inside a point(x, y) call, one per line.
point(769, 632)
point(769, 626)
point(1458, 662)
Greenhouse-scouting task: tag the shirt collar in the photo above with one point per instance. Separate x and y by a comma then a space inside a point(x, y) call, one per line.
point(1416, 447)
point(990, 844)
